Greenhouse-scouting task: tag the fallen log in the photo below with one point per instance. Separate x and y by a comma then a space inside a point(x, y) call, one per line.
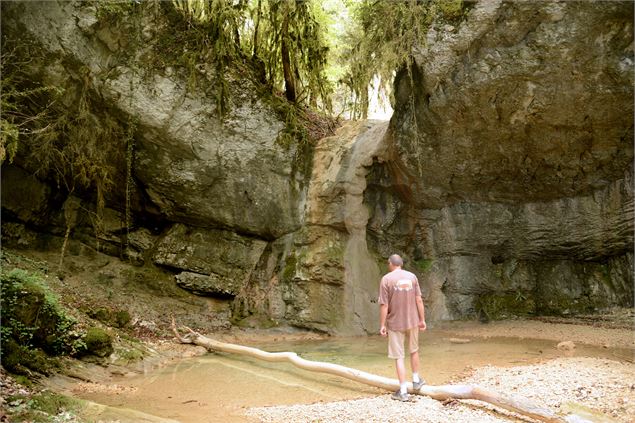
point(518, 405)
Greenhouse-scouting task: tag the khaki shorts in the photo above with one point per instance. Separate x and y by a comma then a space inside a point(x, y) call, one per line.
point(396, 342)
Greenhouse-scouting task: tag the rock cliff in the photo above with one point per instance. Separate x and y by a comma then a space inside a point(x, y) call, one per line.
point(504, 177)
point(511, 178)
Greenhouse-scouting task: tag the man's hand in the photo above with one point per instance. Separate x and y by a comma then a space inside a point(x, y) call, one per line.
point(422, 325)
point(383, 331)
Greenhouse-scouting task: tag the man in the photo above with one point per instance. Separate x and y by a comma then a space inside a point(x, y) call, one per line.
point(402, 316)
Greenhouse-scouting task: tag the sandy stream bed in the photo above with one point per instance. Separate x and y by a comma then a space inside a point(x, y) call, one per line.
point(601, 389)
point(603, 386)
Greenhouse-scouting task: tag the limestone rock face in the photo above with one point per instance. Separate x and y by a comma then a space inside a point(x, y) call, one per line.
point(215, 261)
point(510, 190)
point(524, 102)
point(207, 284)
point(335, 254)
point(27, 199)
point(504, 178)
point(201, 171)
point(587, 227)
point(195, 167)
point(324, 276)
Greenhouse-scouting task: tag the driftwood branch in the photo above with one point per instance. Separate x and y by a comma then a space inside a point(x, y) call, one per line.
point(518, 405)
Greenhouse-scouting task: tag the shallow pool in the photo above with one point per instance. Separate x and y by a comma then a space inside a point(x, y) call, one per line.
point(218, 387)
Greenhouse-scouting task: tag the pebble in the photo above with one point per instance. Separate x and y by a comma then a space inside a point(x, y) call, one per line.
point(566, 346)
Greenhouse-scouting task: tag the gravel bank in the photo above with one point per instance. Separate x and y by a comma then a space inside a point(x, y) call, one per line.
point(602, 385)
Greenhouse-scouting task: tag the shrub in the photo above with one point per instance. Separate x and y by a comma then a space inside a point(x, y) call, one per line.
point(34, 324)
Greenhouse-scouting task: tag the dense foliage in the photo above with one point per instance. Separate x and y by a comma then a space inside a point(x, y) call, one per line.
point(382, 40)
point(314, 49)
point(282, 40)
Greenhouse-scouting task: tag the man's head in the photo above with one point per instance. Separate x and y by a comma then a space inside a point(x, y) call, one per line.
point(395, 262)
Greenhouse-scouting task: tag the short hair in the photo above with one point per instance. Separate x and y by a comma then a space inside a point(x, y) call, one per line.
point(395, 260)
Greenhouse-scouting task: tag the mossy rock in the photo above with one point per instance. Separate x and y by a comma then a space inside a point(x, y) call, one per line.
point(102, 314)
point(98, 342)
point(109, 317)
point(289, 268)
point(496, 306)
point(255, 321)
point(423, 265)
point(122, 318)
point(21, 360)
point(127, 355)
point(42, 407)
point(562, 305)
point(32, 315)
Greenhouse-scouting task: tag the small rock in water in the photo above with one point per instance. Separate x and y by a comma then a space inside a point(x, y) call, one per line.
point(566, 346)
point(459, 340)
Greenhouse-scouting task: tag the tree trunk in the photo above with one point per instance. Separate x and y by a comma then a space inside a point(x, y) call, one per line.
point(67, 234)
point(289, 83)
point(443, 392)
point(254, 51)
point(71, 206)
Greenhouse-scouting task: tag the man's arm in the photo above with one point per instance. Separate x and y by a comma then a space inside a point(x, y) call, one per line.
point(383, 312)
point(422, 313)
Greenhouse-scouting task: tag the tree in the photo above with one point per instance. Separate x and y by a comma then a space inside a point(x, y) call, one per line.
point(281, 39)
point(383, 38)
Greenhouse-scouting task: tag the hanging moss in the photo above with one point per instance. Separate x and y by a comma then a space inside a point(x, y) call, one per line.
point(283, 51)
point(496, 306)
point(19, 93)
point(383, 38)
point(111, 12)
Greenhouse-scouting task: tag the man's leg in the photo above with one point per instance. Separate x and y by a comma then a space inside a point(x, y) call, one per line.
point(413, 347)
point(414, 361)
point(396, 352)
point(401, 370)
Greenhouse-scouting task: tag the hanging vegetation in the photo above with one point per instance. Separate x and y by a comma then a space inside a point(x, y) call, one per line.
point(80, 151)
point(281, 41)
point(382, 39)
point(23, 111)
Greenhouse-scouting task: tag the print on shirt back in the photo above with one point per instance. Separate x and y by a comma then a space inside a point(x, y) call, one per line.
point(403, 285)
